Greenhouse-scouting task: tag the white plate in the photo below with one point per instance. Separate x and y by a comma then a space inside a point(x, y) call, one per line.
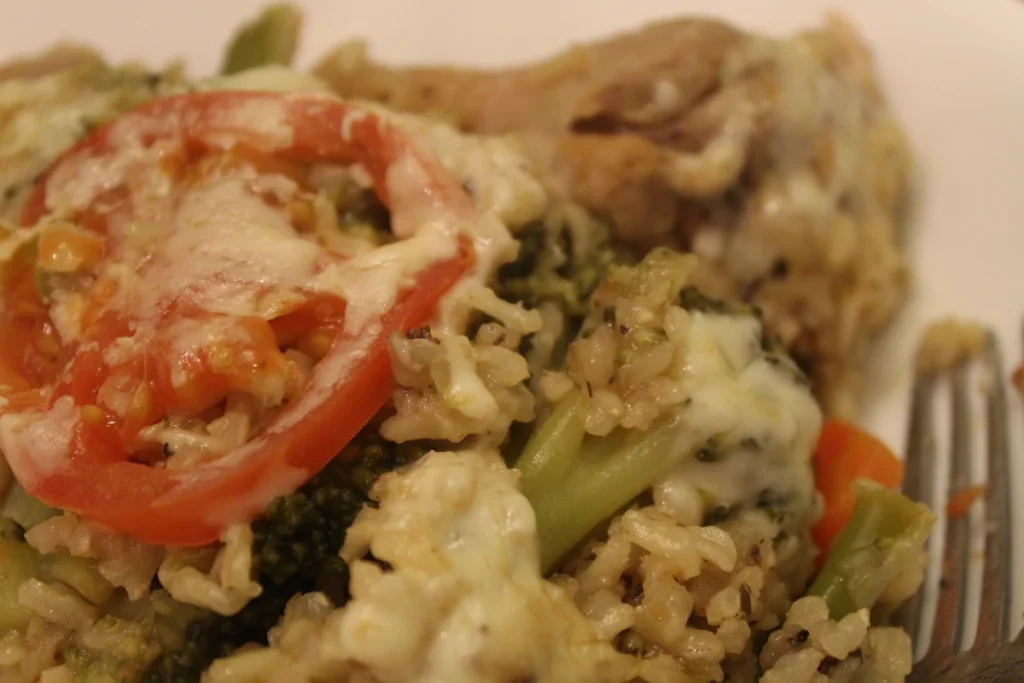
point(953, 69)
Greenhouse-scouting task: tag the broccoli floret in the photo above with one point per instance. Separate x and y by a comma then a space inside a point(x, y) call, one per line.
point(18, 563)
point(295, 550)
point(131, 642)
point(361, 213)
point(575, 480)
point(557, 269)
point(24, 508)
point(606, 441)
point(884, 536)
point(692, 299)
point(554, 266)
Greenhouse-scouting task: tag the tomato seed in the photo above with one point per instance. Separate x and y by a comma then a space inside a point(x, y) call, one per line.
point(92, 414)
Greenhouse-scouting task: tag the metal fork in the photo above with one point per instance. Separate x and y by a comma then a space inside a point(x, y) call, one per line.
point(991, 658)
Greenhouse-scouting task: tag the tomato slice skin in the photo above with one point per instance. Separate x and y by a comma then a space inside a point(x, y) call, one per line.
point(844, 454)
point(316, 123)
point(347, 388)
point(191, 507)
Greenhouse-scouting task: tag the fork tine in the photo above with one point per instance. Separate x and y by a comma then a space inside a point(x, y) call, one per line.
point(993, 617)
point(918, 484)
point(948, 631)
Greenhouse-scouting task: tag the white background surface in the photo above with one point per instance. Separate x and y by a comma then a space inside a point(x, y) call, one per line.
point(954, 70)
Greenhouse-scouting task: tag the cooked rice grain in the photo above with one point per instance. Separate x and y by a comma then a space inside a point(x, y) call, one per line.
point(28, 655)
point(694, 594)
point(948, 342)
point(57, 603)
point(123, 562)
point(226, 586)
point(451, 388)
point(462, 599)
point(58, 674)
point(797, 653)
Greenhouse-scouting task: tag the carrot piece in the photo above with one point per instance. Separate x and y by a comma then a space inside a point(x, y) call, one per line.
point(846, 453)
point(960, 502)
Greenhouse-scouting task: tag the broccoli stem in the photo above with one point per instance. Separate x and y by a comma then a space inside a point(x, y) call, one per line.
point(884, 535)
point(555, 448)
point(575, 482)
point(271, 38)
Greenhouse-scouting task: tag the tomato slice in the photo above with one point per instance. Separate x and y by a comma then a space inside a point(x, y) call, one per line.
point(75, 451)
point(846, 453)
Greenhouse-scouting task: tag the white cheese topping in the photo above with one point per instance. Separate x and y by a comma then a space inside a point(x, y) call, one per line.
point(463, 601)
point(222, 249)
point(265, 119)
point(225, 248)
point(428, 227)
point(37, 444)
point(763, 420)
point(504, 191)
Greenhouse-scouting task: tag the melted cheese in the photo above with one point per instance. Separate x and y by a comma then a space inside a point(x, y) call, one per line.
point(224, 245)
point(264, 119)
point(428, 228)
point(77, 183)
point(221, 247)
point(42, 116)
point(227, 247)
point(762, 421)
point(464, 601)
point(504, 192)
point(37, 444)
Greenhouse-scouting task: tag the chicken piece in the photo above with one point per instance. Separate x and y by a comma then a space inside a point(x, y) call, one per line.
point(615, 75)
point(777, 161)
point(567, 105)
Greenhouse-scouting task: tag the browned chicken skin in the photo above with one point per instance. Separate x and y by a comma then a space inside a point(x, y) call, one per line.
point(777, 161)
point(601, 94)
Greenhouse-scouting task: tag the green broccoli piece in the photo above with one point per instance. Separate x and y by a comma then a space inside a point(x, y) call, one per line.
point(22, 507)
point(553, 266)
point(886, 533)
point(295, 550)
point(692, 299)
point(18, 563)
point(137, 632)
point(575, 480)
point(558, 269)
point(271, 38)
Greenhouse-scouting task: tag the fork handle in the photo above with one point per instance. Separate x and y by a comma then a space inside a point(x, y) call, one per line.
point(1000, 664)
